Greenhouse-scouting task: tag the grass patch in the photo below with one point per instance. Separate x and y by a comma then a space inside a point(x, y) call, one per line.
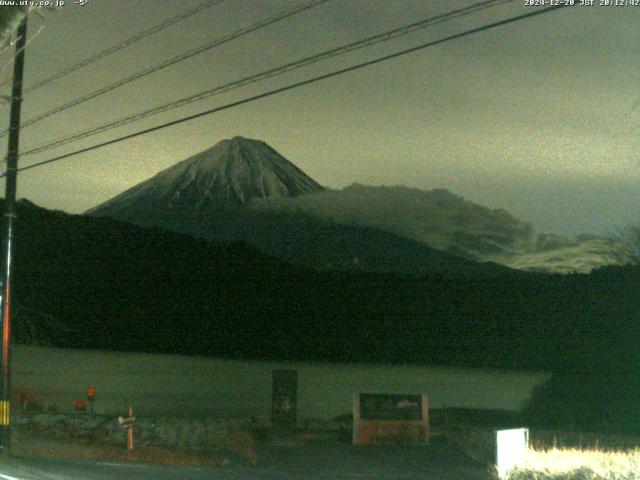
point(573, 464)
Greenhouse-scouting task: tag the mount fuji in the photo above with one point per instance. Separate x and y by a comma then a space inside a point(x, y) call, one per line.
point(220, 193)
point(230, 174)
point(242, 189)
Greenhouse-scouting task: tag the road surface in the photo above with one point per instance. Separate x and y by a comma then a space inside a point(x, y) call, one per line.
point(312, 461)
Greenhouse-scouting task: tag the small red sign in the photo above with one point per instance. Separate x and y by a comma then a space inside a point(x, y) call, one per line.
point(91, 393)
point(80, 405)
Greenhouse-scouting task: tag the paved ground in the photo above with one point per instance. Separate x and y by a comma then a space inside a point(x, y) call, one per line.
point(332, 460)
point(320, 460)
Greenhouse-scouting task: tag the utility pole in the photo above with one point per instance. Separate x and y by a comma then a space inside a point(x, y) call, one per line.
point(10, 200)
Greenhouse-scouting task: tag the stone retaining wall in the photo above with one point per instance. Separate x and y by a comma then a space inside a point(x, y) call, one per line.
point(190, 433)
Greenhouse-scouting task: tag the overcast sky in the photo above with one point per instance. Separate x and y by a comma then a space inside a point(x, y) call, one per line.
point(539, 117)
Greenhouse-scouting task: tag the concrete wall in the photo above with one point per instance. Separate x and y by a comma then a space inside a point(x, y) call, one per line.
point(177, 385)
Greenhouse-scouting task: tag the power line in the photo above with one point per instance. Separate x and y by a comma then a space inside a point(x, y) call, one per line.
point(11, 43)
point(3, 82)
point(124, 44)
point(366, 42)
point(179, 58)
point(292, 86)
point(15, 54)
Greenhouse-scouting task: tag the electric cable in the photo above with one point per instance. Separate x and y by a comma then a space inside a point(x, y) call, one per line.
point(179, 58)
point(292, 86)
point(366, 42)
point(124, 44)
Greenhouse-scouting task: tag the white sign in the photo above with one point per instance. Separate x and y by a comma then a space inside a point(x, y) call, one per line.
point(126, 422)
point(512, 448)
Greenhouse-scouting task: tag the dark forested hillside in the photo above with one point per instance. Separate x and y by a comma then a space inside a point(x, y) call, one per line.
point(95, 282)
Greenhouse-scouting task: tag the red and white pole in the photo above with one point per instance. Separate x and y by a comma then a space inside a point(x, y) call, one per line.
point(130, 430)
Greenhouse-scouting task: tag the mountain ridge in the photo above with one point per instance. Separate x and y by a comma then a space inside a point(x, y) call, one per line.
point(448, 222)
point(242, 189)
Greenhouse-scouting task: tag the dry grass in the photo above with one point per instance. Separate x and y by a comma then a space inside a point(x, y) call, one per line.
point(573, 464)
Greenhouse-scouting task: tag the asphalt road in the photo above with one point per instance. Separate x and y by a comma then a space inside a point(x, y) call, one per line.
point(313, 461)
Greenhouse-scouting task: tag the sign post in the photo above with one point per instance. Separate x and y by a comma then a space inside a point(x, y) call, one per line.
point(284, 402)
point(128, 424)
point(91, 396)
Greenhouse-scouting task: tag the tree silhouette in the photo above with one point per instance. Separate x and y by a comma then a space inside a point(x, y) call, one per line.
point(626, 243)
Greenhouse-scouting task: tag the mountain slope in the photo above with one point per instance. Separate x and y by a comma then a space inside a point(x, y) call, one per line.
point(242, 189)
point(231, 173)
point(437, 217)
point(92, 282)
point(213, 195)
point(448, 222)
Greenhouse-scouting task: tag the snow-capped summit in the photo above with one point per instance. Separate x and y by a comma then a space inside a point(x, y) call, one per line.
point(231, 173)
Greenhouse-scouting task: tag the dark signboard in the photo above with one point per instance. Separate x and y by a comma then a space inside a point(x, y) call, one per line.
point(284, 401)
point(382, 406)
point(390, 418)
